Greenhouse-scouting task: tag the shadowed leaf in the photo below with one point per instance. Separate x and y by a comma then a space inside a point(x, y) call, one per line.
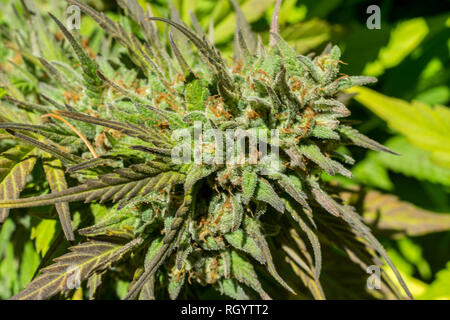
point(388, 213)
point(57, 181)
point(70, 269)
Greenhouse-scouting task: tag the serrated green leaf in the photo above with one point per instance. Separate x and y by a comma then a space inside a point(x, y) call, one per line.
point(196, 95)
point(303, 266)
point(30, 261)
point(126, 184)
point(389, 213)
point(231, 288)
point(197, 173)
point(293, 186)
point(425, 126)
point(254, 230)
point(361, 140)
point(240, 241)
point(313, 153)
point(148, 290)
point(89, 66)
point(238, 211)
point(404, 39)
point(57, 182)
point(49, 148)
point(243, 271)
point(74, 267)
point(312, 237)
point(249, 183)
point(15, 165)
point(93, 283)
point(413, 162)
point(265, 193)
point(176, 282)
point(43, 235)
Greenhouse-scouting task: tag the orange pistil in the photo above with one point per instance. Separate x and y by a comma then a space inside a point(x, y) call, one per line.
point(75, 130)
point(297, 85)
point(85, 45)
point(265, 76)
point(218, 112)
point(286, 130)
point(191, 273)
point(59, 36)
point(17, 59)
point(179, 275)
point(100, 141)
point(158, 97)
point(304, 94)
point(162, 124)
point(320, 65)
point(238, 68)
point(252, 114)
point(342, 77)
point(71, 96)
point(213, 267)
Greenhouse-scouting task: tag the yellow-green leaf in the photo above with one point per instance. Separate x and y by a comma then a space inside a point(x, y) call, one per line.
point(253, 10)
point(57, 181)
point(425, 126)
point(43, 235)
point(15, 165)
point(405, 37)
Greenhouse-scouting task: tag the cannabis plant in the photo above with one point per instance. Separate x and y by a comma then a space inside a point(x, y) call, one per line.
point(104, 128)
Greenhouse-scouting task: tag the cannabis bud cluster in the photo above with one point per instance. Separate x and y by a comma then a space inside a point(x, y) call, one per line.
point(244, 227)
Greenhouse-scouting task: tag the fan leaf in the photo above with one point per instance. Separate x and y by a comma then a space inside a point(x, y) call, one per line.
point(390, 214)
point(74, 267)
point(124, 185)
point(57, 181)
point(15, 165)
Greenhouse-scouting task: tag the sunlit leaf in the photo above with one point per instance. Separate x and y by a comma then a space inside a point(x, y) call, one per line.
point(425, 126)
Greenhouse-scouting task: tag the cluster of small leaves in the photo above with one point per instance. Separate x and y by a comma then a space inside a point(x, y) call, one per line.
point(243, 229)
